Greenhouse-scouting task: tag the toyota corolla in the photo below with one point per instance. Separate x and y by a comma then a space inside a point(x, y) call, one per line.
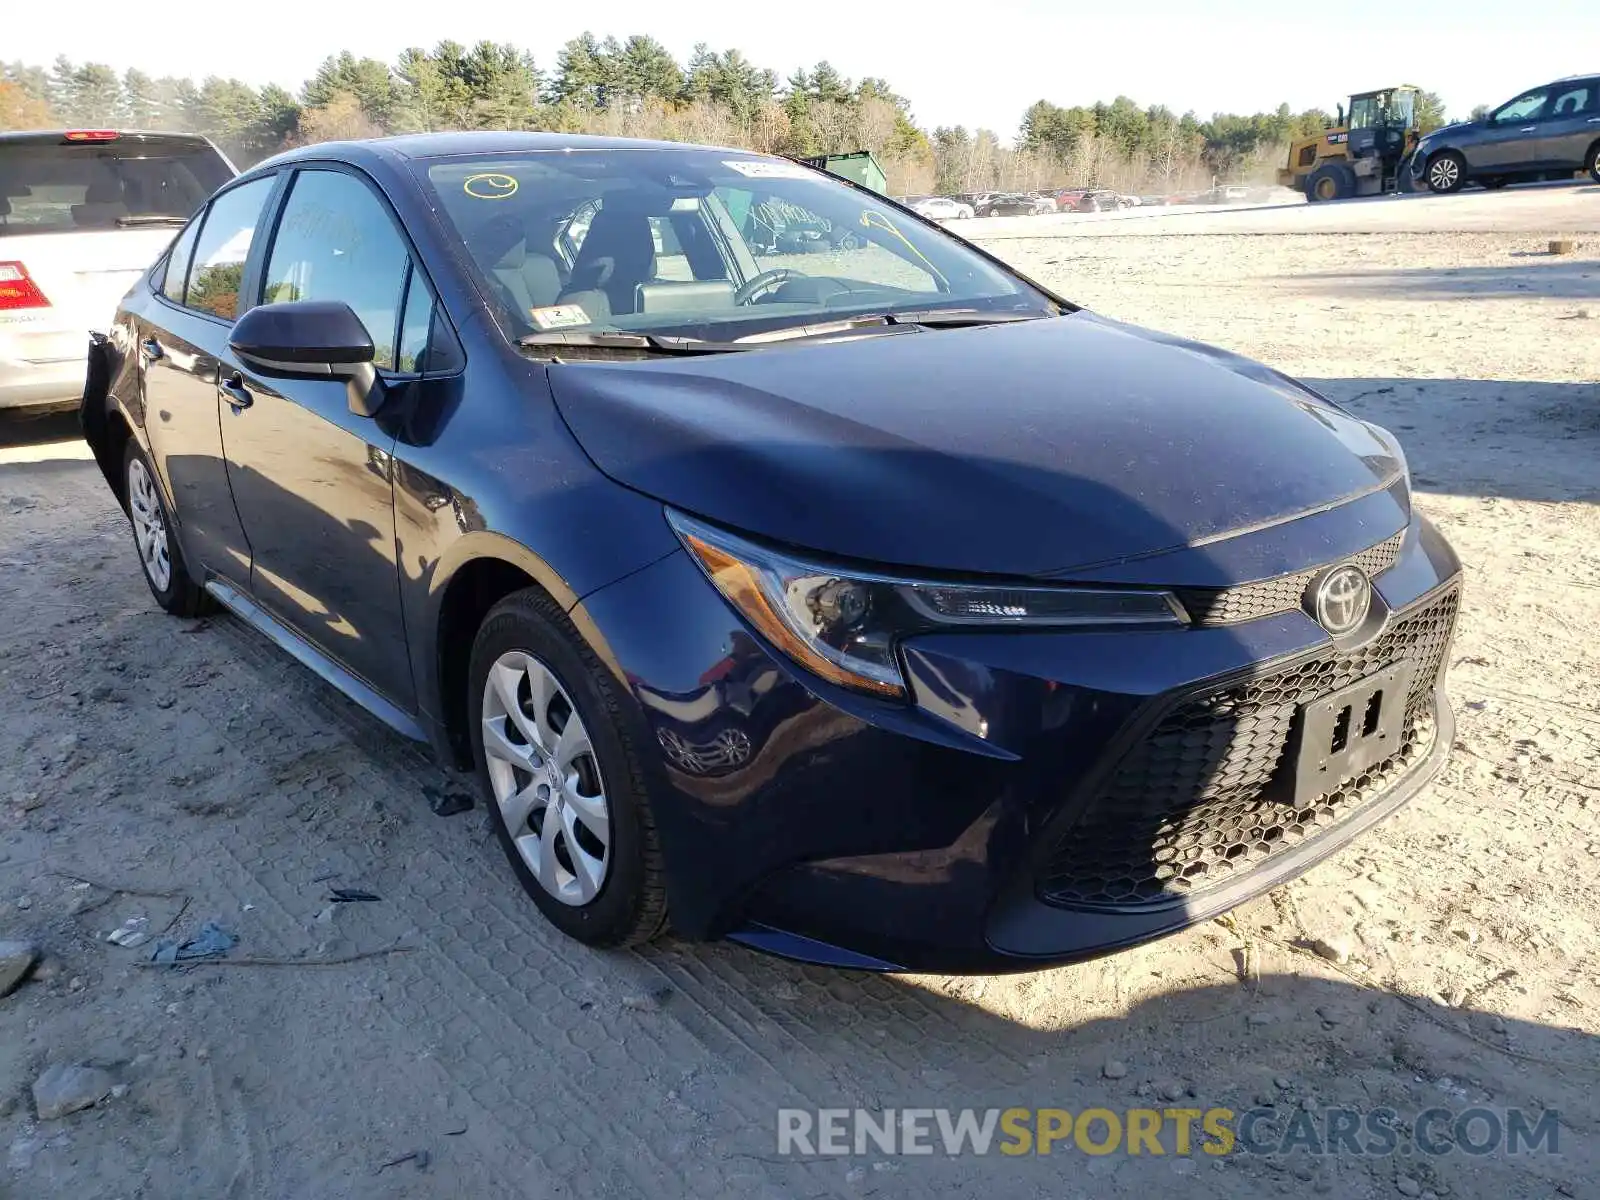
point(863, 602)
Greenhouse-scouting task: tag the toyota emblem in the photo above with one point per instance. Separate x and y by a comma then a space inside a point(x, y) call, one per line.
point(1343, 599)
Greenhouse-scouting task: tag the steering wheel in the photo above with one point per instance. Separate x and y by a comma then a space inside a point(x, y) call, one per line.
point(764, 283)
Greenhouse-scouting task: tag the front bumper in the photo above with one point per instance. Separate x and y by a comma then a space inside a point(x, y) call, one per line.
point(1017, 815)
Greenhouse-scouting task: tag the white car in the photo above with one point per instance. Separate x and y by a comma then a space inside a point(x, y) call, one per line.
point(82, 214)
point(941, 208)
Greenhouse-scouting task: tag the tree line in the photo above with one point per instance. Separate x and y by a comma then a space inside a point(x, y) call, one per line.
point(635, 87)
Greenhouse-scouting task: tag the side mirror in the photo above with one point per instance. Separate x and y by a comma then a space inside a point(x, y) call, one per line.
point(311, 339)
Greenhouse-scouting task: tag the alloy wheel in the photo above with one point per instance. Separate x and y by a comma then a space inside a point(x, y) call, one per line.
point(1443, 174)
point(546, 779)
point(149, 525)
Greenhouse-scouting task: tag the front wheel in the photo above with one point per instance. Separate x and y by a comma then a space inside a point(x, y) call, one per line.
point(160, 555)
point(1447, 172)
point(1331, 181)
point(1592, 163)
point(562, 770)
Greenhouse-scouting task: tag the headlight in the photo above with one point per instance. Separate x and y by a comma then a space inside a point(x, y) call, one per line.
point(843, 624)
point(1392, 444)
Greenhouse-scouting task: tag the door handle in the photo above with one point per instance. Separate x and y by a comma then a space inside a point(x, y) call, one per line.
point(1594, 120)
point(236, 394)
point(152, 349)
point(1527, 129)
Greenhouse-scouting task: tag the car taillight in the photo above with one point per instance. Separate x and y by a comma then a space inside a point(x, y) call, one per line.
point(17, 288)
point(91, 135)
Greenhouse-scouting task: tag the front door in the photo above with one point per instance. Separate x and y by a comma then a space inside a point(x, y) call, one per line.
point(1511, 139)
point(311, 479)
point(182, 335)
point(1573, 125)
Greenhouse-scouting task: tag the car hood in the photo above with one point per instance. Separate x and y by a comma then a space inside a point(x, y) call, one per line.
point(1022, 449)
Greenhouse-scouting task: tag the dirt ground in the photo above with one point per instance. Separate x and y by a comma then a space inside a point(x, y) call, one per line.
point(187, 771)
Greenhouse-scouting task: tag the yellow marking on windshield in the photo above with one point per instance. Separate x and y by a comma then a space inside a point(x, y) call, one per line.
point(489, 185)
point(888, 226)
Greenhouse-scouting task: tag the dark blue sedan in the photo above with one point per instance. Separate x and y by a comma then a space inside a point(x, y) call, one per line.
point(847, 595)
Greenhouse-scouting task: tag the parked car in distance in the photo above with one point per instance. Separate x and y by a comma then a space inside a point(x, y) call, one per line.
point(1044, 202)
point(875, 607)
point(941, 208)
point(1550, 131)
point(83, 212)
point(1225, 193)
point(1010, 204)
point(1085, 200)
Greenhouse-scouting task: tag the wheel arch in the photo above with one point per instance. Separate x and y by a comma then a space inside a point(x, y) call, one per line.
point(481, 570)
point(106, 427)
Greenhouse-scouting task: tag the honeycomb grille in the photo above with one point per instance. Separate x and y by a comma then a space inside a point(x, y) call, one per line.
point(1229, 606)
point(1209, 794)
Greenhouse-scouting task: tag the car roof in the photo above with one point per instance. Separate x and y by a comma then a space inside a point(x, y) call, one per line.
point(439, 145)
point(58, 137)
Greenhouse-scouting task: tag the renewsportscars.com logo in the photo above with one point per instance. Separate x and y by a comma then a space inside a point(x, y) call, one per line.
point(835, 1132)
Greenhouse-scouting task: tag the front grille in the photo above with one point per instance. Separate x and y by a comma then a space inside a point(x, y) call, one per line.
point(1229, 606)
point(1208, 794)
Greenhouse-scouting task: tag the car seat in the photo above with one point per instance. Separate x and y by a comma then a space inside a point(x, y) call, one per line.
point(617, 255)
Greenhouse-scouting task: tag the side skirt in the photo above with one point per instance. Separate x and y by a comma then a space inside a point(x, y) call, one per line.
point(253, 615)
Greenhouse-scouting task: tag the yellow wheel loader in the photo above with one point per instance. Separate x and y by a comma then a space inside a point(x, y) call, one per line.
point(1365, 155)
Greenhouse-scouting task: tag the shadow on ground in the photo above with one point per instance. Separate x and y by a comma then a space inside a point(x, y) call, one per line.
point(1288, 1046)
point(1487, 437)
point(1534, 274)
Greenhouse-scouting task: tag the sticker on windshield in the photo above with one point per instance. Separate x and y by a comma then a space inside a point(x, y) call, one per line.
point(558, 316)
point(766, 168)
point(489, 185)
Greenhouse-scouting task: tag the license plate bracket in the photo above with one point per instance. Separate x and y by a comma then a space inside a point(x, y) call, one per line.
point(1350, 731)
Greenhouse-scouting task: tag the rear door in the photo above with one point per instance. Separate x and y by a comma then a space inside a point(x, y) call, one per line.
point(85, 214)
point(313, 480)
point(181, 339)
point(1573, 125)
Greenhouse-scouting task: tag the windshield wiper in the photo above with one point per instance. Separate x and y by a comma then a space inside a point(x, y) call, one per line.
point(951, 318)
point(150, 219)
point(616, 339)
point(866, 323)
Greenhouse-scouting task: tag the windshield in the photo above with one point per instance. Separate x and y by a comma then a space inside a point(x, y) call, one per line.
point(66, 187)
point(698, 243)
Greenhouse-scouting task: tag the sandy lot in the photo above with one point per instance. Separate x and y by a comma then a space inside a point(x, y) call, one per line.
point(186, 771)
point(1526, 208)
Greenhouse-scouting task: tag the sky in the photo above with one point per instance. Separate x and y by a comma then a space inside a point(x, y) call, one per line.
point(979, 63)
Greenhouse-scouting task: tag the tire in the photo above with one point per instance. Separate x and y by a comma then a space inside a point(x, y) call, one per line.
point(1330, 181)
point(1494, 183)
point(160, 556)
point(1592, 162)
point(627, 904)
point(1447, 172)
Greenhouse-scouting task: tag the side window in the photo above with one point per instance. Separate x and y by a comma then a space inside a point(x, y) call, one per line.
point(177, 269)
point(570, 238)
point(336, 241)
point(1524, 108)
point(223, 247)
point(415, 326)
point(1572, 101)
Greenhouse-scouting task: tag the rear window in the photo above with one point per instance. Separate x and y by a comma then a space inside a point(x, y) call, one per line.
point(69, 186)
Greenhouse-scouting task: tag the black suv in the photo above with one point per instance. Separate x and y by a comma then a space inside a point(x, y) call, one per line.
point(1551, 130)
